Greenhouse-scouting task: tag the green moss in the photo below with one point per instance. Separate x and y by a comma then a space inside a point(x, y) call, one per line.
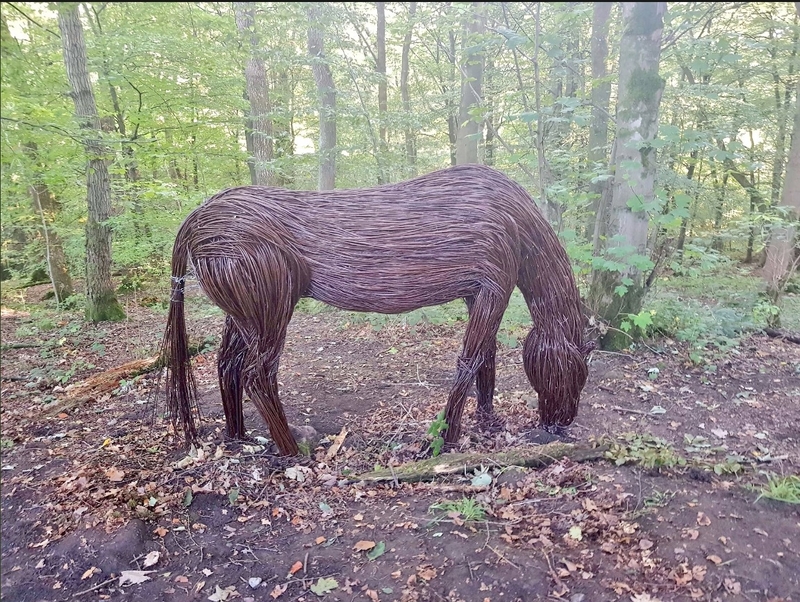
point(644, 86)
point(104, 308)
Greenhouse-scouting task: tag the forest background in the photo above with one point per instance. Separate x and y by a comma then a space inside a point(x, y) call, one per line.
point(657, 139)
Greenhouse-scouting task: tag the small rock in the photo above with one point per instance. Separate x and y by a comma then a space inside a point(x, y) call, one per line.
point(254, 582)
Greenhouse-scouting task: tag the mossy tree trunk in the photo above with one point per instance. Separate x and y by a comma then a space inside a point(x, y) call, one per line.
point(101, 302)
point(619, 292)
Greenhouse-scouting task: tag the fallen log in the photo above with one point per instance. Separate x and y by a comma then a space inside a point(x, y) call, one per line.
point(107, 381)
point(782, 334)
point(463, 463)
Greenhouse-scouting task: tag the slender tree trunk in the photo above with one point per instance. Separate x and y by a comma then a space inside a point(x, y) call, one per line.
point(47, 207)
point(101, 302)
point(452, 109)
point(615, 295)
point(383, 101)
point(601, 94)
point(255, 74)
point(410, 140)
point(282, 125)
point(488, 145)
point(326, 90)
point(469, 130)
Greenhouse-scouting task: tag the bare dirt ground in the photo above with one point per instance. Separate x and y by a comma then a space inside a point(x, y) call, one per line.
point(101, 502)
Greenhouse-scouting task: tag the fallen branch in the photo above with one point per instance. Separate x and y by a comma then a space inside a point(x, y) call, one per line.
point(781, 334)
point(19, 346)
point(103, 383)
point(457, 464)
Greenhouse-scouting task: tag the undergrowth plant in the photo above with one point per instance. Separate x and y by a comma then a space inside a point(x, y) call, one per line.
point(468, 508)
point(781, 488)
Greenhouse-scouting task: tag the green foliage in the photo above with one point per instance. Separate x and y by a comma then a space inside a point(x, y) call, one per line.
point(435, 430)
point(644, 449)
point(468, 508)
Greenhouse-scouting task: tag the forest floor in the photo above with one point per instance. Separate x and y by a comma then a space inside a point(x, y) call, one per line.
point(100, 501)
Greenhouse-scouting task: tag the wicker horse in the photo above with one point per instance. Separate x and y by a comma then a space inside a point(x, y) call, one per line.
point(464, 232)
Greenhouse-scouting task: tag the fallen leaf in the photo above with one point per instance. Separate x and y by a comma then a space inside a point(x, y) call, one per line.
point(714, 558)
point(426, 572)
point(277, 591)
point(702, 519)
point(699, 572)
point(377, 551)
point(181, 579)
point(761, 532)
point(645, 544)
point(295, 567)
point(358, 516)
point(732, 587)
point(89, 572)
point(220, 595)
point(160, 531)
point(576, 533)
point(151, 558)
point(324, 586)
point(364, 545)
point(319, 540)
point(644, 597)
point(133, 577)
point(114, 474)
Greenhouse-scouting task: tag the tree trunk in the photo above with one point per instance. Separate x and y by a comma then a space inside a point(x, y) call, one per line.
point(411, 143)
point(282, 126)
point(601, 93)
point(326, 90)
point(383, 102)
point(782, 256)
point(615, 295)
point(47, 207)
point(469, 129)
point(488, 145)
point(101, 302)
point(452, 109)
point(255, 75)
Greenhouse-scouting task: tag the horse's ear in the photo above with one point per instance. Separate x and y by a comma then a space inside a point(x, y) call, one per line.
point(588, 347)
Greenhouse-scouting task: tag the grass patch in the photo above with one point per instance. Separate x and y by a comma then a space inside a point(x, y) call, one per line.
point(784, 489)
point(466, 509)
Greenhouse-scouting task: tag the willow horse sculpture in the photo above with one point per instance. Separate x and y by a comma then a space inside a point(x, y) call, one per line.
point(464, 232)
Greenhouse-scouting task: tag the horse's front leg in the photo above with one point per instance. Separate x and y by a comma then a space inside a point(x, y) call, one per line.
point(486, 313)
point(485, 379)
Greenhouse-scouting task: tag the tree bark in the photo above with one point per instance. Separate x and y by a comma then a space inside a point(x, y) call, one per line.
point(383, 102)
point(101, 302)
point(47, 207)
point(616, 294)
point(469, 130)
point(782, 252)
point(326, 91)
point(255, 74)
point(410, 140)
point(601, 94)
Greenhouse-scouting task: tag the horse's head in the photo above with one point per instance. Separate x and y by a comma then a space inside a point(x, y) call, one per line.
point(557, 369)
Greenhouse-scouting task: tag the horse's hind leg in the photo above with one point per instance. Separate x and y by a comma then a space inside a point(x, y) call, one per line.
point(258, 287)
point(485, 379)
point(480, 343)
point(230, 362)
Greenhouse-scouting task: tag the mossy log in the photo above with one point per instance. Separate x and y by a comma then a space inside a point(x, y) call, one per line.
point(462, 463)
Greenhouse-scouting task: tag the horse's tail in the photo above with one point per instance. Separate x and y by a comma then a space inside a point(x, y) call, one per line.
point(181, 386)
point(554, 354)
